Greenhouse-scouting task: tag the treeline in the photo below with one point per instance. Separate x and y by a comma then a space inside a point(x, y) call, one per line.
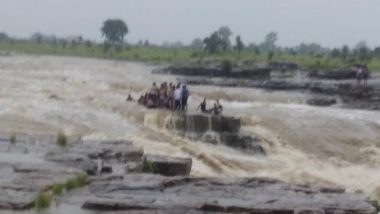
point(220, 44)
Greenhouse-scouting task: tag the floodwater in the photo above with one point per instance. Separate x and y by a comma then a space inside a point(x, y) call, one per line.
point(86, 97)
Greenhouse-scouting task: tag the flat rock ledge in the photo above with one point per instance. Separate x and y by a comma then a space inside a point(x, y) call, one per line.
point(19, 191)
point(152, 193)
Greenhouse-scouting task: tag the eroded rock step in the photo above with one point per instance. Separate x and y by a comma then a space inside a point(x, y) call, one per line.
point(214, 129)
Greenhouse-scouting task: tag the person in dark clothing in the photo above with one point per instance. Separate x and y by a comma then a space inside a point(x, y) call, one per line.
point(129, 98)
point(365, 74)
point(203, 107)
point(185, 96)
point(218, 108)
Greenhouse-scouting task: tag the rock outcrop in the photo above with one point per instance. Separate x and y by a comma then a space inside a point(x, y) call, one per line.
point(214, 129)
point(25, 181)
point(333, 74)
point(168, 166)
point(216, 70)
point(149, 194)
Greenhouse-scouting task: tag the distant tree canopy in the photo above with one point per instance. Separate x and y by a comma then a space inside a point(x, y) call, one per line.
point(270, 42)
point(4, 37)
point(225, 33)
point(114, 30)
point(218, 41)
point(197, 43)
point(214, 43)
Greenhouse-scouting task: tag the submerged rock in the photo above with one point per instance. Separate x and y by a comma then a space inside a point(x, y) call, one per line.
point(150, 194)
point(321, 101)
point(214, 129)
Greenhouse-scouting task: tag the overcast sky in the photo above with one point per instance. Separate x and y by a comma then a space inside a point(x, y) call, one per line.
point(329, 22)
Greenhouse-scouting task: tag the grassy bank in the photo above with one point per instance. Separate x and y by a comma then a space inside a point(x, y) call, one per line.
point(160, 54)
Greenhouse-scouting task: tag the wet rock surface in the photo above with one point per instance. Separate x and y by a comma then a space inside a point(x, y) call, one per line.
point(26, 180)
point(132, 192)
point(214, 129)
point(150, 194)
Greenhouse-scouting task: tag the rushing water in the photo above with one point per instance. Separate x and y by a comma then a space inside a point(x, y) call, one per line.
point(325, 146)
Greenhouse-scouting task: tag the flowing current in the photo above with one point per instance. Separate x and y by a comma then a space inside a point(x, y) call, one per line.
point(86, 97)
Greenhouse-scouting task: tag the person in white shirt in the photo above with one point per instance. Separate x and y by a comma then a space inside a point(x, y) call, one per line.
point(177, 97)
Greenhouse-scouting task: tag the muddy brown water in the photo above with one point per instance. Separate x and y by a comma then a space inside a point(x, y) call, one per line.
point(86, 97)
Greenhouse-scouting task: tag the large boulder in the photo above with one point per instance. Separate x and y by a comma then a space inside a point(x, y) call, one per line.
point(168, 166)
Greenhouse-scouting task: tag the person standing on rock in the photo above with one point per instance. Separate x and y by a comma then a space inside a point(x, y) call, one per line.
point(365, 74)
point(154, 95)
point(203, 107)
point(359, 73)
point(218, 108)
point(177, 97)
point(184, 97)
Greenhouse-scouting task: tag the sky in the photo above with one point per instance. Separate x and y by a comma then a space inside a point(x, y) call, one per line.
point(331, 23)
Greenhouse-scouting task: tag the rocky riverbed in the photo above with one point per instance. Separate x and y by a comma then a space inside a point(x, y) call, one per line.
point(338, 85)
point(119, 177)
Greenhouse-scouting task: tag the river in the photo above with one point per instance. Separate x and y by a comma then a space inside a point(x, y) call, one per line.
point(86, 97)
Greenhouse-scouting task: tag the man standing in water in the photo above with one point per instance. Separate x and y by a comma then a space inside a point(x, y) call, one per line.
point(218, 108)
point(177, 97)
point(185, 96)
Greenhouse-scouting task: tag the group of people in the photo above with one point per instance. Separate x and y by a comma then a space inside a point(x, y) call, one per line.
point(170, 96)
point(217, 109)
point(173, 97)
point(362, 74)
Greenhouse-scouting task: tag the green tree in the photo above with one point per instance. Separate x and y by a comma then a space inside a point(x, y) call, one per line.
point(363, 54)
point(239, 44)
point(270, 41)
point(225, 33)
point(4, 37)
point(197, 44)
point(334, 53)
point(214, 43)
point(376, 52)
point(114, 30)
point(345, 52)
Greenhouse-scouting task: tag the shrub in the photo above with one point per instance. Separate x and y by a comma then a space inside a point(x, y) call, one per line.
point(79, 181)
point(57, 189)
point(42, 201)
point(61, 139)
point(376, 204)
point(149, 167)
point(12, 139)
